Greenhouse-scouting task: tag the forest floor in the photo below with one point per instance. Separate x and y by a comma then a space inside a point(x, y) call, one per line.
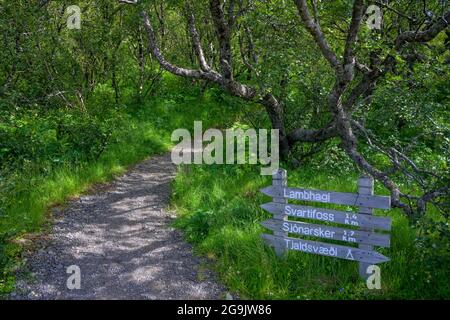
point(121, 238)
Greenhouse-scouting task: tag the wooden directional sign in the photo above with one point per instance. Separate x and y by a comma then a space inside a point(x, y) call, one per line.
point(350, 199)
point(326, 249)
point(327, 232)
point(328, 215)
point(363, 223)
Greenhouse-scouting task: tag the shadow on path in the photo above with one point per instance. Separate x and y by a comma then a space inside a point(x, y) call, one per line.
point(123, 243)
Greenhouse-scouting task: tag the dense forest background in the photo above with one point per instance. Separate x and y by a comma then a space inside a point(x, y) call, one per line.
point(79, 105)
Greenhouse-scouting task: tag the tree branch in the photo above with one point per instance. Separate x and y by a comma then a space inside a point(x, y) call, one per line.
point(224, 36)
point(196, 40)
point(349, 54)
point(424, 35)
point(315, 30)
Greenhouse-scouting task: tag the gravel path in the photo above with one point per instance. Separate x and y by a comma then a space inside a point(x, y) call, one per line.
point(122, 241)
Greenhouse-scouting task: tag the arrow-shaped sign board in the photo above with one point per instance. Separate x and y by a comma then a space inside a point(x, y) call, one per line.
point(327, 232)
point(328, 215)
point(326, 249)
point(350, 199)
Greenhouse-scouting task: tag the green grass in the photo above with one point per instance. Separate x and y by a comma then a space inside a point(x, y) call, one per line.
point(219, 212)
point(144, 130)
point(139, 139)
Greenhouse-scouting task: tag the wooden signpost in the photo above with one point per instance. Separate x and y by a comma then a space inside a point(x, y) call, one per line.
point(360, 227)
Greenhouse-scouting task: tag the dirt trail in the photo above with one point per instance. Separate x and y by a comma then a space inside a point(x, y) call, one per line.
point(123, 243)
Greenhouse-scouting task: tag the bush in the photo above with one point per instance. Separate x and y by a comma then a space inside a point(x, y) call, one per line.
point(38, 141)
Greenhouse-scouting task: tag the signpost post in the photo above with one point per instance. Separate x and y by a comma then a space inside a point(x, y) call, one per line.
point(360, 227)
point(365, 187)
point(279, 180)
